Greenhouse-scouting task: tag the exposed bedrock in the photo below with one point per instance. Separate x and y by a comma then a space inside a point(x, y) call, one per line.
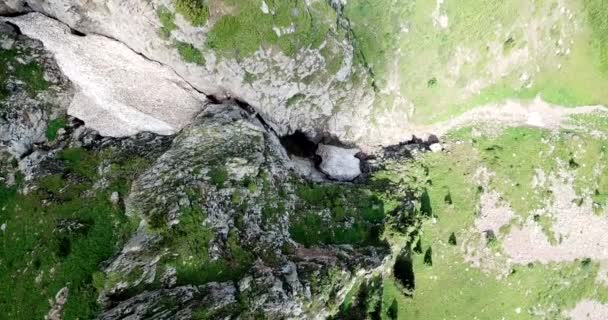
point(118, 92)
point(316, 87)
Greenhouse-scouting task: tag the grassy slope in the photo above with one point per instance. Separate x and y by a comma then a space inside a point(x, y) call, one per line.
point(451, 288)
point(465, 292)
point(36, 259)
point(427, 53)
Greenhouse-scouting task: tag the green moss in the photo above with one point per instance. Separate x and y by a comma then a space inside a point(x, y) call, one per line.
point(189, 53)
point(195, 11)
point(249, 77)
point(333, 60)
point(167, 19)
point(218, 176)
point(54, 126)
point(293, 100)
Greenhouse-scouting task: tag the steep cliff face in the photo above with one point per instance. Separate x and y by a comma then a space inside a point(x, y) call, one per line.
point(206, 159)
point(214, 221)
point(367, 73)
point(294, 62)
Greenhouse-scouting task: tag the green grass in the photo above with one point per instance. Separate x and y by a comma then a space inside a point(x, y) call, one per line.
point(80, 162)
point(426, 52)
point(239, 35)
point(597, 14)
point(33, 247)
point(189, 53)
point(516, 154)
point(54, 126)
point(195, 11)
point(452, 288)
point(167, 19)
point(355, 216)
point(31, 74)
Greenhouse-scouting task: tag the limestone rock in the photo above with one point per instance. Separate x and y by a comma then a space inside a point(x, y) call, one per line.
point(119, 92)
point(309, 87)
point(339, 163)
point(27, 104)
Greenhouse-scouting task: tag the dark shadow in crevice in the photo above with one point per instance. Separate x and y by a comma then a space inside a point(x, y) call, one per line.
point(15, 27)
point(77, 33)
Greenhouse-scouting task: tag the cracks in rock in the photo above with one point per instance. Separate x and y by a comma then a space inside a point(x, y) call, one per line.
point(344, 22)
point(77, 33)
point(211, 98)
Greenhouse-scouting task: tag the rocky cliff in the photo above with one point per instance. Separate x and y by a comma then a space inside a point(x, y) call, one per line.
point(258, 159)
point(213, 221)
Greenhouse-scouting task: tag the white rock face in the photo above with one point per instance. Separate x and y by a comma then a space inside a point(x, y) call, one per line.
point(339, 163)
point(119, 92)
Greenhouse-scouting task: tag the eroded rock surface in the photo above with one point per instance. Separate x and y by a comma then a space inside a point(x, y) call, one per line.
point(223, 197)
point(33, 91)
point(119, 92)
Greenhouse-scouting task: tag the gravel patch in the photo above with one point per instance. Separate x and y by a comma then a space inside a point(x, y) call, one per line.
point(588, 310)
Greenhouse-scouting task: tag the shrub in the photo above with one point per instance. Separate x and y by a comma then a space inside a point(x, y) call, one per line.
point(403, 269)
point(425, 204)
point(54, 126)
point(189, 53)
point(195, 11)
point(218, 176)
point(428, 257)
point(167, 19)
point(393, 310)
point(452, 239)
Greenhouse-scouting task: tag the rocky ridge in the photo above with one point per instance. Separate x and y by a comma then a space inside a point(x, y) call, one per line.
point(214, 221)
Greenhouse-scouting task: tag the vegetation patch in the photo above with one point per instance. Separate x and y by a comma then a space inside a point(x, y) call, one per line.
point(598, 19)
point(337, 214)
point(195, 11)
point(57, 236)
point(30, 74)
point(167, 20)
point(54, 126)
point(189, 53)
point(241, 34)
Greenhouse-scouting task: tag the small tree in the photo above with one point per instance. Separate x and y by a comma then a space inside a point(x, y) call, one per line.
point(452, 239)
point(404, 272)
point(448, 198)
point(418, 246)
point(393, 310)
point(428, 257)
point(425, 204)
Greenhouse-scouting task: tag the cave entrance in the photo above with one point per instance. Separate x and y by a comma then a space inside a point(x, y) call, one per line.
point(298, 144)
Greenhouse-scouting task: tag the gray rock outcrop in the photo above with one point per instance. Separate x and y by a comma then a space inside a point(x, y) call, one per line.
point(119, 92)
point(304, 75)
point(33, 92)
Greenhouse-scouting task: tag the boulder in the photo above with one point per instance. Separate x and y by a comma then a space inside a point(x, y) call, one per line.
point(339, 163)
